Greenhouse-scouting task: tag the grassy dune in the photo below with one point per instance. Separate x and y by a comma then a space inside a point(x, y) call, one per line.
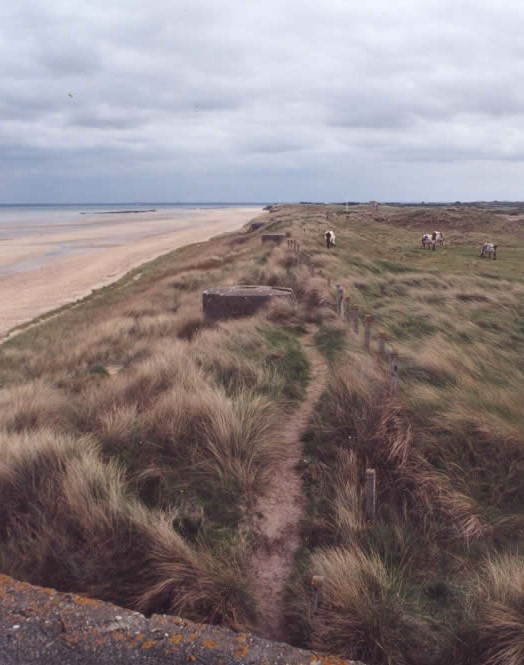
point(136, 437)
point(425, 580)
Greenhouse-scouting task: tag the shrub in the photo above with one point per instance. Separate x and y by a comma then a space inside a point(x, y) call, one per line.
point(69, 523)
point(360, 615)
point(34, 405)
point(493, 629)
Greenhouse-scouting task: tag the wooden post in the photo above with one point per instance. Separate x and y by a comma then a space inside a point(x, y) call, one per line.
point(310, 264)
point(339, 297)
point(367, 331)
point(393, 371)
point(354, 316)
point(317, 582)
point(347, 300)
point(370, 493)
point(382, 344)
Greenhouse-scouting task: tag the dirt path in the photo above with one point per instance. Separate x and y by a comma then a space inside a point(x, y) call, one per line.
point(279, 510)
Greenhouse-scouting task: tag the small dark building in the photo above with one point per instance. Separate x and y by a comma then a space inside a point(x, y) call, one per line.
point(226, 302)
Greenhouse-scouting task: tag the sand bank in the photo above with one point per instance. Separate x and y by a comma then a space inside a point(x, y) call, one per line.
point(44, 279)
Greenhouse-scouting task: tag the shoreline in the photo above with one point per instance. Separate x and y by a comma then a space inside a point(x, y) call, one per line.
point(27, 295)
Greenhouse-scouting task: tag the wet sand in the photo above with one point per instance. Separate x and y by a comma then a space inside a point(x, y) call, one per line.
point(41, 272)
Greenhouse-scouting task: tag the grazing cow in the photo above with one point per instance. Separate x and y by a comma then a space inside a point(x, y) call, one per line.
point(428, 242)
point(330, 238)
point(438, 238)
point(489, 250)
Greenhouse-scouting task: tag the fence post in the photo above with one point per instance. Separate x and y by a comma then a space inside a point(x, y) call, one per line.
point(367, 331)
point(339, 296)
point(310, 264)
point(371, 493)
point(382, 344)
point(317, 582)
point(393, 371)
point(354, 316)
point(347, 300)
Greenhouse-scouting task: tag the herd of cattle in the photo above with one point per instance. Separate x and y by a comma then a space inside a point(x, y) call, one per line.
point(436, 239)
point(429, 241)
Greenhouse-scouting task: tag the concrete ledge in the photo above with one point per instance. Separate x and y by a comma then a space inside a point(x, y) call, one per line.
point(226, 302)
point(44, 627)
point(273, 237)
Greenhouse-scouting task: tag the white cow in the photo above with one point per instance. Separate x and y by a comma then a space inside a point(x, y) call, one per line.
point(330, 238)
point(428, 242)
point(489, 250)
point(438, 237)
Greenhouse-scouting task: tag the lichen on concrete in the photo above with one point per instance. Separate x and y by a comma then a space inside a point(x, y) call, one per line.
point(45, 627)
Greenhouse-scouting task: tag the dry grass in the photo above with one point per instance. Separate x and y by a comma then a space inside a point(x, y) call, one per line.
point(120, 428)
point(361, 615)
point(33, 405)
point(493, 633)
point(69, 522)
point(135, 437)
point(449, 453)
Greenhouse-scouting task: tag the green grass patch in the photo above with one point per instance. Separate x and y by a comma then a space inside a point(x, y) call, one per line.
point(287, 357)
point(330, 341)
point(394, 267)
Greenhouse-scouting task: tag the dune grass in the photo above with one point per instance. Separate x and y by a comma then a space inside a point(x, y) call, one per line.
point(136, 437)
point(413, 586)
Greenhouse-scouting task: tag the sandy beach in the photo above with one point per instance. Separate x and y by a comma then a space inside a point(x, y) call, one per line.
point(36, 276)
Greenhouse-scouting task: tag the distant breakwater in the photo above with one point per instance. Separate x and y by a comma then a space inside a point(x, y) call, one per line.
point(118, 212)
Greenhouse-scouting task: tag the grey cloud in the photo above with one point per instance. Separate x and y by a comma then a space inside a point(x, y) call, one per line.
point(103, 118)
point(305, 91)
point(268, 147)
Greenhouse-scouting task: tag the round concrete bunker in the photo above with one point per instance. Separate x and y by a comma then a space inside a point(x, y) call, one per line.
point(225, 302)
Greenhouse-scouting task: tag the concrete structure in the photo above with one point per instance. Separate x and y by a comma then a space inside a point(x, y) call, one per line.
point(44, 627)
point(226, 302)
point(274, 237)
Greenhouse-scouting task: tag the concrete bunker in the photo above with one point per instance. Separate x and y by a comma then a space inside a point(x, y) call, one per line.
point(274, 237)
point(225, 302)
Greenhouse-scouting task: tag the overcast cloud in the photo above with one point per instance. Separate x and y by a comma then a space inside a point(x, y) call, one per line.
point(261, 101)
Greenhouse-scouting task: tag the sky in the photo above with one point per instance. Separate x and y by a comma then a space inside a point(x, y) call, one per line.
point(273, 100)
